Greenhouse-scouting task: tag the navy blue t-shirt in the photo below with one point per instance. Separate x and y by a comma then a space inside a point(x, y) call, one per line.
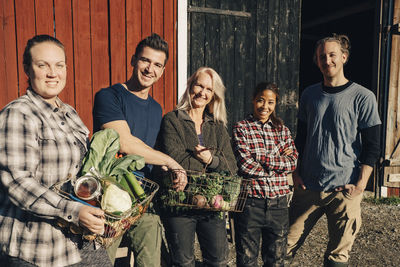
point(142, 115)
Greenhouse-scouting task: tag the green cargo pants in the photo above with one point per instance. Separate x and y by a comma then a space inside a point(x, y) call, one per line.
point(145, 241)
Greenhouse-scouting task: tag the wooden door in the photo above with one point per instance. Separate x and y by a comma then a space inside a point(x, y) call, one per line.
point(247, 42)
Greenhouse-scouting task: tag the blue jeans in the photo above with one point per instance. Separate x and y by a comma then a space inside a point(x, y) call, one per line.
point(266, 219)
point(211, 233)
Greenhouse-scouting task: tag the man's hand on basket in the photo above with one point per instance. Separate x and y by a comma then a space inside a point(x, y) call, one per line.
point(92, 219)
point(180, 181)
point(203, 154)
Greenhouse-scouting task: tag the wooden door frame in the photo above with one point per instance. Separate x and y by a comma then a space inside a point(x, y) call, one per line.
point(182, 53)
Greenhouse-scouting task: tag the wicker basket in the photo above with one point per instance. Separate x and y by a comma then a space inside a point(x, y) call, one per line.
point(115, 225)
point(209, 191)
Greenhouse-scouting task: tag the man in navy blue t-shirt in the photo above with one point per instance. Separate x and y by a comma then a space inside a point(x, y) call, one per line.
point(136, 116)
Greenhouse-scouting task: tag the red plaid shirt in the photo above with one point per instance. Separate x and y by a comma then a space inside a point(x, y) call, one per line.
point(259, 151)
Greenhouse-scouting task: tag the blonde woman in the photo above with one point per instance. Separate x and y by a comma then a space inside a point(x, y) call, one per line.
point(195, 135)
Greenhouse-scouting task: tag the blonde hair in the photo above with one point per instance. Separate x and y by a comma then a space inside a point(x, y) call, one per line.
point(216, 107)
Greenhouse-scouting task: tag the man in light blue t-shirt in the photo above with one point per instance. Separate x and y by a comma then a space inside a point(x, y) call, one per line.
point(338, 143)
point(136, 116)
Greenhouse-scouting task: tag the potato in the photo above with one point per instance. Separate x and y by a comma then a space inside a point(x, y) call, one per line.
point(199, 201)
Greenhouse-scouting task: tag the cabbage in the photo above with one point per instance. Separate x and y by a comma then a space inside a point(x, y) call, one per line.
point(115, 199)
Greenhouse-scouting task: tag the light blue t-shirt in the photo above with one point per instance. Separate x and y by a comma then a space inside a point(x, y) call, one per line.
point(333, 144)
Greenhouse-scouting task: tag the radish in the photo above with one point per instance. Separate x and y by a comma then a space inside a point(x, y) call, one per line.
point(218, 202)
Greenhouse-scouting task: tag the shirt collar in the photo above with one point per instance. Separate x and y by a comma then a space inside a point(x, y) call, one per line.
point(46, 108)
point(252, 119)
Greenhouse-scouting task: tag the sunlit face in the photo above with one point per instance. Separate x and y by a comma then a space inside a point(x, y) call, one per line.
point(48, 70)
point(148, 67)
point(202, 91)
point(330, 60)
point(264, 105)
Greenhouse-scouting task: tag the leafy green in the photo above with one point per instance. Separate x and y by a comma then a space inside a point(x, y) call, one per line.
point(104, 145)
point(209, 185)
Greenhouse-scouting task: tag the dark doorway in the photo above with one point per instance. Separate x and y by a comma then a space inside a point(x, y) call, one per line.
point(356, 19)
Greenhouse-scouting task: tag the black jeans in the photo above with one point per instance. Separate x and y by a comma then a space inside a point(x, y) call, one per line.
point(211, 233)
point(262, 219)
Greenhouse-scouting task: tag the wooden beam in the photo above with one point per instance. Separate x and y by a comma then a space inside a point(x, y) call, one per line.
point(209, 10)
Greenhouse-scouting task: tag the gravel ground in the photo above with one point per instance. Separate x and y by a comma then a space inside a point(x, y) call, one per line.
point(377, 243)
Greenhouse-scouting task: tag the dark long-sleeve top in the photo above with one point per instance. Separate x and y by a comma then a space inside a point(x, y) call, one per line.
point(370, 136)
point(178, 138)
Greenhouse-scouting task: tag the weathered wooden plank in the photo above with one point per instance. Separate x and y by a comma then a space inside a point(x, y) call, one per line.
point(82, 59)
point(241, 55)
point(44, 17)
point(99, 44)
point(261, 32)
point(211, 42)
point(157, 20)
point(216, 11)
point(288, 36)
point(118, 57)
point(227, 62)
point(8, 54)
point(63, 22)
point(133, 31)
point(170, 88)
point(146, 17)
point(197, 39)
point(250, 59)
point(272, 64)
point(25, 27)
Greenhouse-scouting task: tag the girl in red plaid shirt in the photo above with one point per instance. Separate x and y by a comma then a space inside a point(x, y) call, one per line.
point(266, 154)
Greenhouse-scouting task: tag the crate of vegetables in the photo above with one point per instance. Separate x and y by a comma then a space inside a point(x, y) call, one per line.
point(123, 202)
point(109, 181)
point(217, 191)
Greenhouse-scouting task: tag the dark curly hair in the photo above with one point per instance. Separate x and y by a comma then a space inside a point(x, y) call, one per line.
point(261, 87)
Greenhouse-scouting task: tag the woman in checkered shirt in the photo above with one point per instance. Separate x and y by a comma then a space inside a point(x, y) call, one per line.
point(266, 154)
point(42, 142)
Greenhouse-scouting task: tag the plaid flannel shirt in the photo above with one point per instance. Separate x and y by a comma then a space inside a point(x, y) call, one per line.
point(259, 151)
point(39, 146)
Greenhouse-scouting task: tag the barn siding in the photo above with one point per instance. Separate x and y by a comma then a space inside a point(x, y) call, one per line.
point(100, 37)
point(247, 42)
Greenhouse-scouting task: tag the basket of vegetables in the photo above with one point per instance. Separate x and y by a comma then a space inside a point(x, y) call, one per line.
point(216, 191)
point(110, 183)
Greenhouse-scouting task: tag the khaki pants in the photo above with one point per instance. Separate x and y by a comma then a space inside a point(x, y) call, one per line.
point(344, 220)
